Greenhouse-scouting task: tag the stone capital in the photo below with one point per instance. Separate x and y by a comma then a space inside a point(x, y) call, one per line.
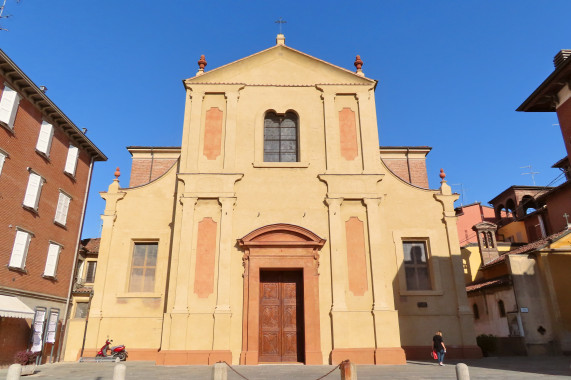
point(227, 203)
point(334, 202)
point(372, 202)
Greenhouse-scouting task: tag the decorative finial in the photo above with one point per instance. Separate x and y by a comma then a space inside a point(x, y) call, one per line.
point(358, 63)
point(202, 63)
point(442, 174)
point(117, 173)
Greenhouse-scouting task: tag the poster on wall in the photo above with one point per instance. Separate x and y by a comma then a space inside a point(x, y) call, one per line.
point(52, 326)
point(39, 321)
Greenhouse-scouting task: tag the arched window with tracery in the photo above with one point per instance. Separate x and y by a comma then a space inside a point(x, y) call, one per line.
point(281, 137)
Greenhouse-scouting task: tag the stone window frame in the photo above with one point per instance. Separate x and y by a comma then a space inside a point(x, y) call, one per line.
point(427, 236)
point(130, 269)
point(302, 140)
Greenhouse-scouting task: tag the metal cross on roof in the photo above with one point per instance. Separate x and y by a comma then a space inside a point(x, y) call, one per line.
point(280, 21)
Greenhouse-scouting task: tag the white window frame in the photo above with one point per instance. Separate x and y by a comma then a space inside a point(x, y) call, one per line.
point(3, 157)
point(71, 160)
point(52, 259)
point(33, 191)
point(9, 106)
point(62, 209)
point(20, 249)
point(45, 138)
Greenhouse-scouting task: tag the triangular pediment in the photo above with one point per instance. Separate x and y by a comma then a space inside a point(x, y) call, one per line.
point(282, 66)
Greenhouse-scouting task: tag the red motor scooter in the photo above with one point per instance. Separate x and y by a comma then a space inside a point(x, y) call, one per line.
point(116, 351)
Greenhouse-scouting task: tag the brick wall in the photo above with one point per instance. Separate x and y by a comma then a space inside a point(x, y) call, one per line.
point(141, 169)
point(564, 116)
point(412, 170)
point(20, 145)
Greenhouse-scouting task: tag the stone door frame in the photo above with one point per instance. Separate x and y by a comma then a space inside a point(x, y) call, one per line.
point(283, 247)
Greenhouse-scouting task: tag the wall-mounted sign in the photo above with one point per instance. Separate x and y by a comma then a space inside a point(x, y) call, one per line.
point(524, 310)
point(52, 326)
point(38, 326)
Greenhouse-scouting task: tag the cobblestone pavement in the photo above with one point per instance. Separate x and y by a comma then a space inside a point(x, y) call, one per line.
point(488, 368)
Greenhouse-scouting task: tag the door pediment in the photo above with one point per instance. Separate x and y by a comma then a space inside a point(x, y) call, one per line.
point(280, 235)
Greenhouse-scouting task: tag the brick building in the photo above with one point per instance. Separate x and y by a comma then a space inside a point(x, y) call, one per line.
point(45, 169)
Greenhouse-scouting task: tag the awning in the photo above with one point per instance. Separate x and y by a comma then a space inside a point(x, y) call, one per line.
point(12, 307)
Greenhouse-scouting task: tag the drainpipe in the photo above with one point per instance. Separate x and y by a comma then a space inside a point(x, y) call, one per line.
point(63, 332)
point(408, 166)
point(152, 161)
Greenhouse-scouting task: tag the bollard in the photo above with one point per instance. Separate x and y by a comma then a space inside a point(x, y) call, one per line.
point(348, 370)
point(220, 371)
point(462, 372)
point(119, 372)
point(14, 372)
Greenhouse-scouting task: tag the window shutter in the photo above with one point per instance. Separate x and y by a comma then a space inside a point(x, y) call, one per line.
point(90, 276)
point(51, 262)
point(32, 197)
point(20, 250)
point(62, 208)
point(71, 161)
point(2, 159)
point(9, 106)
point(45, 138)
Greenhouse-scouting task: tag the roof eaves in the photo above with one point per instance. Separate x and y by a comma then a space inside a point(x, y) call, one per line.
point(37, 96)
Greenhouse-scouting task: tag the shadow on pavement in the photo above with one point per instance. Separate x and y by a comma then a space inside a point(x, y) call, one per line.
point(545, 365)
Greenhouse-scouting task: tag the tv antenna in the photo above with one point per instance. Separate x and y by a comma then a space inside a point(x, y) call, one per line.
point(462, 191)
point(531, 172)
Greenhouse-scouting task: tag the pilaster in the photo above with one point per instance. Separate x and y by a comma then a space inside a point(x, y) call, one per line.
point(446, 198)
point(223, 312)
point(331, 130)
point(193, 126)
point(369, 133)
point(230, 135)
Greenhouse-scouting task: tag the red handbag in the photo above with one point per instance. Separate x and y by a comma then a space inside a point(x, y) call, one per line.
point(433, 354)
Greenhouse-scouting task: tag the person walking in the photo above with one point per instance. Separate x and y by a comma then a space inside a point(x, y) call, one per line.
point(439, 347)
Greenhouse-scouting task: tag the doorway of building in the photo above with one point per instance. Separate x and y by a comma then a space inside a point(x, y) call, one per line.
point(281, 316)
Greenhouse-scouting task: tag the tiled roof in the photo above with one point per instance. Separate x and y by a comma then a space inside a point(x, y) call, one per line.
point(538, 244)
point(91, 245)
point(500, 281)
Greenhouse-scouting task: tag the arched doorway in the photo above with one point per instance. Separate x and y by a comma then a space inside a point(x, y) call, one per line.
point(281, 295)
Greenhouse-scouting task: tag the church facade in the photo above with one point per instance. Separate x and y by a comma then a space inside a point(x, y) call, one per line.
point(278, 234)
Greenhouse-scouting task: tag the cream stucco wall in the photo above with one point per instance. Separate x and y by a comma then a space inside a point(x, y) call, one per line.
point(239, 193)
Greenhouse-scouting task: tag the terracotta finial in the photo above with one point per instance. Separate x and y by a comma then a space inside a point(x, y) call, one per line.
point(117, 173)
point(202, 62)
point(358, 63)
point(442, 174)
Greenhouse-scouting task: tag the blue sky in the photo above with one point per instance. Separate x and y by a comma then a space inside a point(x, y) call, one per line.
point(451, 73)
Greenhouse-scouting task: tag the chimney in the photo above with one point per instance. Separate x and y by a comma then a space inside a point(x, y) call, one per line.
point(561, 56)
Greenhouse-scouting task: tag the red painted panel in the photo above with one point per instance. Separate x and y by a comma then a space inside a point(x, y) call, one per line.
point(348, 134)
point(213, 133)
point(356, 256)
point(205, 255)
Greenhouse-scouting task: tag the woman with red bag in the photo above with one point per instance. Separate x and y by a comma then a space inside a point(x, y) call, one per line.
point(439, 347)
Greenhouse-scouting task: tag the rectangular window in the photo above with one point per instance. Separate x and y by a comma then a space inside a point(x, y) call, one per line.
point(280, 137)
point(32, 197)
point(20, 250)
point(52, 260)
point(9, 106)
point(143, 267)
point(2, 159)
point(71, 162)
point(81, 310)
point(90, 273)
point(45, 138)
point(416, 265)
point(62, 208)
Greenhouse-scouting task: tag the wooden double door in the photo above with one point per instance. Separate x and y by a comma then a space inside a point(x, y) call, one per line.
point(281, 316)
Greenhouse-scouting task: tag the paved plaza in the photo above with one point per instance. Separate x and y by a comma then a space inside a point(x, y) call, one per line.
point(488, 368)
